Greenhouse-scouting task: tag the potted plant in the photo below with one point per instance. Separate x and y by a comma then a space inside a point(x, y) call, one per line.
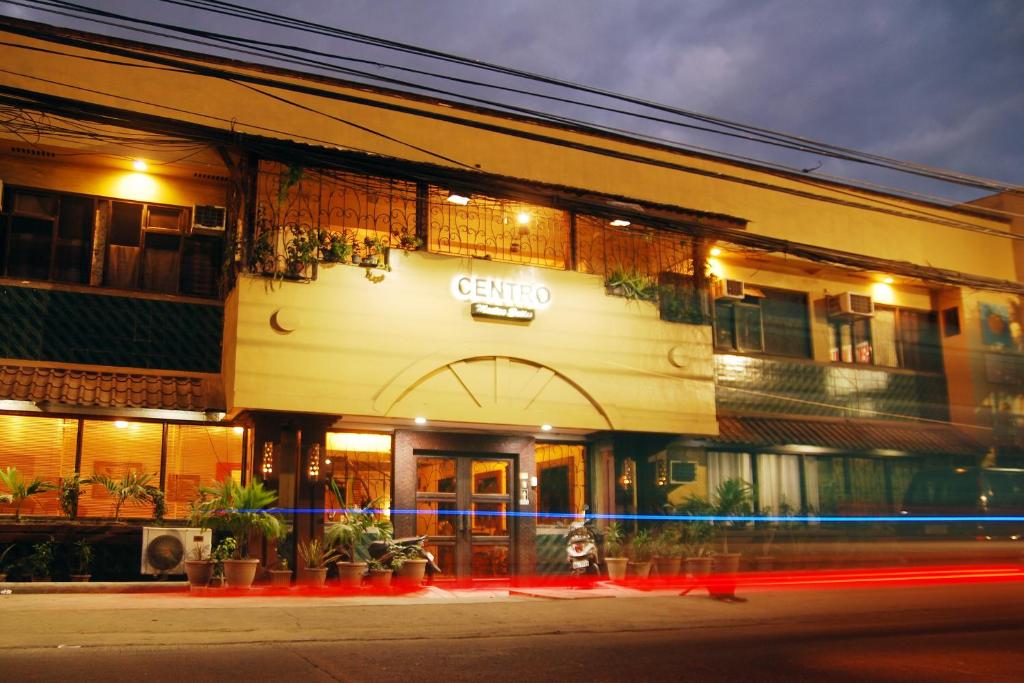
point(40, 562)
point(315, 556)
point(380, 573)
point(69, 490)
point(614, 558)
point(133, 487)
point(262, 258)
point(242, 511)
point(696, 535)
point(82, 555)
point(631, 284)
point(354, 254)
point(299, 252)
point(375, 253)
point(18, 490)
point(199, 565)
point(640, 552)
point(336, 247)
point(732, 498)
point(409, 240)
point(3, 561)
point(352, 534)
point(281, 573)
point(225, 550)
point(668, 556)
point(409, 564)
point(680, 305)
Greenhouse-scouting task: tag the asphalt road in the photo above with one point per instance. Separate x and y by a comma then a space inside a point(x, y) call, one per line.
point(934, 634)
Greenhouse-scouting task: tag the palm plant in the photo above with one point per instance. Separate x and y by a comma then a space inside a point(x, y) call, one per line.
point(133, 487)
point(69, 490)
point(19, 490)
point(696, 535)
point(356, 530)
point(238, 509)
point(733, 498)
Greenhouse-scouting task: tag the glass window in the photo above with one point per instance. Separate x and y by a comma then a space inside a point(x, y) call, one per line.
point(726, 465)
point(38, 447)
point(885, 337)
point(199, 455)
point(29, 246)
point(851, 340)
point(73, 253)
point(360, 465)
point(114, 449)
point(435, 475)
point(491, 476)
point(919, 340)
point(561, 482)
point(778, 483)
point(776, 322)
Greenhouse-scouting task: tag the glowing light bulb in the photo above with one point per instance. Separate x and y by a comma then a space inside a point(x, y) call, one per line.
point(522, 218)
point(715, 251)
point(420, 420)
point(140, 165)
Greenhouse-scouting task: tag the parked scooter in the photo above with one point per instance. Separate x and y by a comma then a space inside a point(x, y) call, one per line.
point(581, 548)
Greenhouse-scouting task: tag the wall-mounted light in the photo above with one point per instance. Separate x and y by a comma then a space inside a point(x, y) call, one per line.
point(524, 488)
point(545, 428)
point(267, 464)
point(458, 199)
point(420, 420)
point(716, 251)
point(628, 476)
point(313, 470)
point(662, 477)
point(619, 223)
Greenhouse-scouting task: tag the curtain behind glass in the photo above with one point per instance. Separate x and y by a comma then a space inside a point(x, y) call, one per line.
point(778, 482)
point(723, 466)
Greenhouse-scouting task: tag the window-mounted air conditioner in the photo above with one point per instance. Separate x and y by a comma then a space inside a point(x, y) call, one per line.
point(165, 549)
point(207, 217)
point(728, 289)
point(849, 304)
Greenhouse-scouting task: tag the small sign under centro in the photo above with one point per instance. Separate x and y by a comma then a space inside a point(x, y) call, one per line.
point(482, 310)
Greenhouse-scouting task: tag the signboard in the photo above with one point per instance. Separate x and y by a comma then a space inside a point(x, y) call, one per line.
point(497, 299)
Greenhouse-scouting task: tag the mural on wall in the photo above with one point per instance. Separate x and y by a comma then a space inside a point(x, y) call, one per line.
point(996, 325)
point(1002, 338)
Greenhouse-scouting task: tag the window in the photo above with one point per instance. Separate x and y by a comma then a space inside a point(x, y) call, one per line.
point(851, 340)
point(45, 236)
point(771, 321)
point(561, 481)
point(360, 465)
point(778, 483)
point(906, 339)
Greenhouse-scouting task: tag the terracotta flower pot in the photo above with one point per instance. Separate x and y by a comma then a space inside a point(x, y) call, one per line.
point(280, 578)
point(350, 574)
point(380, 578)
point(727, 563)
point(199, 572)
point(81, 578)
point(616, 567)
point(240, 573)
point(667, 567)
point(314, 576)
point(639, 570)
point(412, 572)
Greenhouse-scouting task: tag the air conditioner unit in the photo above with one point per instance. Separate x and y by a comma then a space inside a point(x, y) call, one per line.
point(208, 217)
point(728, 289)
point(848, 304)
point(165, 549)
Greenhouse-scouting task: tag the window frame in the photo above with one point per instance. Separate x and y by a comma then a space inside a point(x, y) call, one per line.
point(751, 302)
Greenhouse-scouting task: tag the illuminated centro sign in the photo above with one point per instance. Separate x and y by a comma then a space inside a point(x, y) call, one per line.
point(504, 299)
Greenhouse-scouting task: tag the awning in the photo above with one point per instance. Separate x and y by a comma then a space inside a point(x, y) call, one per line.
point(786, 435)
point(56, 389)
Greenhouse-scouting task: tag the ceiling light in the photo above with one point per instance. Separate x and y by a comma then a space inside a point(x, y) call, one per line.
point(716, 251)
point(120, 424)
point(140, 165)
point(459, 199)
point(239, 430)
point(420, 420)
point(888, 280)
point(522, 218)
point(619, 223)
point(546, 428)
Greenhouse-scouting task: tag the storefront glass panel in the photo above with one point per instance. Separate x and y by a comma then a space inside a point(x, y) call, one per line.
point(199, 456)
point(561, 482)
point(38, 447)
point(360, 466)
point(114, 449)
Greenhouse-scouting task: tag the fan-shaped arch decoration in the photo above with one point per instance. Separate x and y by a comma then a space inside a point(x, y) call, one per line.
point(497, 388)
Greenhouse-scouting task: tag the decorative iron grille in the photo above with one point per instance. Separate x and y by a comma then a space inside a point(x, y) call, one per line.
point(307, 215)
point(498, 229)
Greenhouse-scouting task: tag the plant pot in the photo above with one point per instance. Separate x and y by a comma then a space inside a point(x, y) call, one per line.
point(727, 563)
point(764, 563)
point(355, 258)
point(615, 290)
point(616, 567)
point(350, 574)
point(199, 572)
point(667, 567)
point(3, 577)
point(216, 582)
point(314, 576)
point(639, 570)
point(240, 573)
point(369, 262)
point(380, 578)
point(411, 572)
point(698, 566)
point(280, 578)
point(81, 578)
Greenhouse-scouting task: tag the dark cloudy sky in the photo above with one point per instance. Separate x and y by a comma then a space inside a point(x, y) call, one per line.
point(937, 82)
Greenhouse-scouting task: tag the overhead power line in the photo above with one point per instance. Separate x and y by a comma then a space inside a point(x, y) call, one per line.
point(742, 131)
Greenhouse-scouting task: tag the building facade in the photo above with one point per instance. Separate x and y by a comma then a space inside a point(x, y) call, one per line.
point(477, 323)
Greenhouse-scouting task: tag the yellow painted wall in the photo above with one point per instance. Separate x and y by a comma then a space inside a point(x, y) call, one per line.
point(60, 176)
point(223, 104)
point(404, 347)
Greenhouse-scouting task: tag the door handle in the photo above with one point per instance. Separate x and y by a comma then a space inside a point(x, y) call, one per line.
point(463, 521)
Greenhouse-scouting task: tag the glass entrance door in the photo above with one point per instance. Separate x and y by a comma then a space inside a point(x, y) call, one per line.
point(462, 506)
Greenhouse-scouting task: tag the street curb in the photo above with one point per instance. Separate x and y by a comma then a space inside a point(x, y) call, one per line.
point(47, 587)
